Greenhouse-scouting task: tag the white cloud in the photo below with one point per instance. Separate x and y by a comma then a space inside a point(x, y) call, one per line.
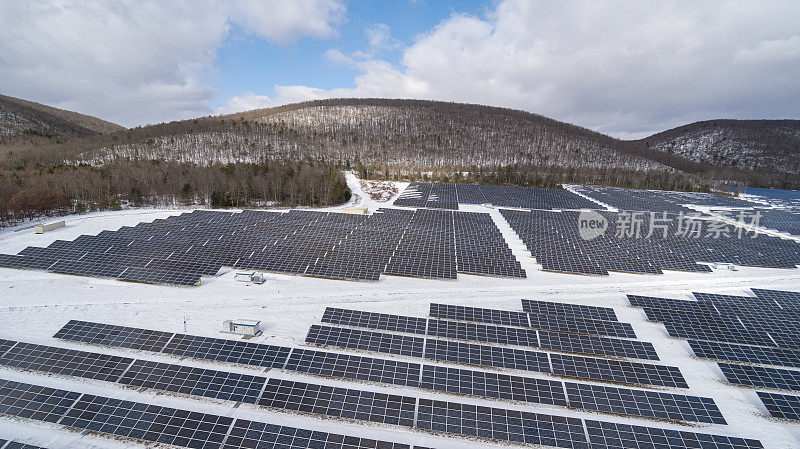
point(137, 62)
point(284, 21)
point(627, 68)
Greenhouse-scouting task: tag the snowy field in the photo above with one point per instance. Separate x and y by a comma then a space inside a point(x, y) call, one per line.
point(36, 304)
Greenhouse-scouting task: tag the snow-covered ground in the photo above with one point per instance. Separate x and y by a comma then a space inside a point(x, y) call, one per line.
point(34, 305)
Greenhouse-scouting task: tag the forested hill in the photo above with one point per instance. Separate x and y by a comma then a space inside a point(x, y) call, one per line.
point(295, 154)
point(401, 135)
point(25, 118)
point(763, 145)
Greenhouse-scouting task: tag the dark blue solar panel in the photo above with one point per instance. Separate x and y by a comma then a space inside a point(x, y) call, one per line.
point(781, 405)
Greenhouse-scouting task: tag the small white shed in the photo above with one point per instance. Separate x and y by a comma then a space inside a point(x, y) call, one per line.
point(725, 266)
point(41, 229)
point(250, 328)
point(250, 276)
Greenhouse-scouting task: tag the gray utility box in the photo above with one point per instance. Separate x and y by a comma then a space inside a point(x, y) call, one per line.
point(250, 328)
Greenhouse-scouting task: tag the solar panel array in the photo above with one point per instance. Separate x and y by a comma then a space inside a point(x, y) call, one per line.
point(759, 376)
point(164, 425)
point(4, 444)
point(339, 402)
point(722, 318)
point(180, 249)
point(553, 239)
point(575, 310)
point(623, 436)
point(244, 388)
point(787, 221)
point(449, 196)
point(755, 330)
point(656, 200)
point(470, 420)
point(500, 357)
point(563, 338)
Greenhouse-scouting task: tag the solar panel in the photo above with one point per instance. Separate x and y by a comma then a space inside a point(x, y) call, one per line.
point(17, 445)
point(482, 333)
point(218, 349)
point(745, 353)
point(147, 422)
point(365, 340)
point(449, 196)
point(345, 366)
point(781, 405)
point(194, 381)
point(35, 402)
point(191, 429)
point(623, 436)
point(231, 351)
point(484, 355)
point(653, 404)
point(591, 345)
point(339, 402)
point(464, 313)
point(574, 310)
point(110, 335)
point(68, 362)
point(715, 328)
point(757, 376)
point(617, 371)
point(785, 299)
point(373, 320)
point(717, 298)
point(499, 424)
point(163, 425)
point(725, 318)
point(581, 326)
point(252, 434)
point(5, 345)
point(492, 385)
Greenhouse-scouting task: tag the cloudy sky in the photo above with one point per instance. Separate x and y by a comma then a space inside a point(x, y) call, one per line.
point(626, 68)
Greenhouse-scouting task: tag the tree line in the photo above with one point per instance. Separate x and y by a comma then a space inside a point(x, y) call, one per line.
point(31, 191)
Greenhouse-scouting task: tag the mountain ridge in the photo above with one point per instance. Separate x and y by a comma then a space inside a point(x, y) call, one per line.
point(770, 145)
point(423, 135)
point(18, 117)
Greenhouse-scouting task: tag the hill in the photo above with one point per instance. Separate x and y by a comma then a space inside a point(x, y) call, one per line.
point(295, 154)
point(405, 136)
point(763, 145)
point(20, 117)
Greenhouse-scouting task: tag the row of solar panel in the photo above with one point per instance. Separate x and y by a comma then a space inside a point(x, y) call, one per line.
point(163, 425)
point(179, 250)
point(740, 318)
point(656, 200)
point(571, 317)
point(731, 322)
point(498, 357)
point(449, 196)
point(245, 388)
point(553, 340)
point(5, 444)
point(268, 356)
point(553, 238)
point(141, 421)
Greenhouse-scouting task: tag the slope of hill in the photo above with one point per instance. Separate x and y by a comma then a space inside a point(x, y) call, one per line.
point(21, 117)
point(765, 145)
point(404, 135)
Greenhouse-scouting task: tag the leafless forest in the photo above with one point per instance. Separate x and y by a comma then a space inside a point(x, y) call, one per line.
point(294, 155)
